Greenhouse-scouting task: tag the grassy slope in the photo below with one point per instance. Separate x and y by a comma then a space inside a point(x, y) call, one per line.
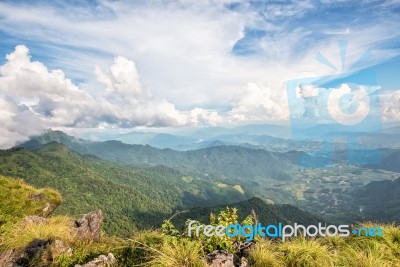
point(18, 199)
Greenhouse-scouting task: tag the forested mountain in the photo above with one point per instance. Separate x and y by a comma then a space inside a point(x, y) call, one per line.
point(226, 161)
point(379, 201)
point(130, 196)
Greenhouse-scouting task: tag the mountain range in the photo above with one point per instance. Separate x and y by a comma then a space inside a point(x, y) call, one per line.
point(138, 186)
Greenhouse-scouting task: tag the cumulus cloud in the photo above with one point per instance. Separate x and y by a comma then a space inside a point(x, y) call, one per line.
point(390, 106)
point(33, 98)
point(258, 102)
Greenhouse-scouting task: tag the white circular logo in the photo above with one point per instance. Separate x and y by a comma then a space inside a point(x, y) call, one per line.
point(348, 106)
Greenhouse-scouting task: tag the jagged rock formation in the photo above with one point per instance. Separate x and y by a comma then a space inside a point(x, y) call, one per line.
point(89, 226)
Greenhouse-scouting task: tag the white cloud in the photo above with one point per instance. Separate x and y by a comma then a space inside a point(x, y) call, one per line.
point(33, 98)
point(183, 52)
point(258, 102)
point(390, 106)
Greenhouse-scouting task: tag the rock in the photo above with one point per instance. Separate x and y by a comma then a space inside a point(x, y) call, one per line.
point(223, 258)
point(89, 226)
point(48, 209)
point(37, 197)
point(243, 248)
point(46, 249)
point(33, 220)
point(24, 257)
point(56, 249)
point(220, 258)
point(101, 261)
point(8, 257)
point(243, 262)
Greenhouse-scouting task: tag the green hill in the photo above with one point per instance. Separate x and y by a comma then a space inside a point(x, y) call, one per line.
point(131, 197)
point(227, 161)
point(379, 201)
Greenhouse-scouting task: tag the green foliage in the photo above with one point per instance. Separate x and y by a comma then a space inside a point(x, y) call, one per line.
point(224, 218)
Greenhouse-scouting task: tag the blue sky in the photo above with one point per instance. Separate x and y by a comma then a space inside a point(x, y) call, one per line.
point(184, 63)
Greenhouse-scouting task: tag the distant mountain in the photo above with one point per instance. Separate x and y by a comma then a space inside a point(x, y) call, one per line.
point(159, 140)
point(390, 160)
point(379, 201)
point(266, 213)
point(380, 159)
point(131, 197)
point(225, 161)
point(265, 136)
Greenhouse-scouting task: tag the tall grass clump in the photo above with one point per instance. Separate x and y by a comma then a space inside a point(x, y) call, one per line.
point(306, 252)
point(22, 233)
point(180, 253)
point(265, 254)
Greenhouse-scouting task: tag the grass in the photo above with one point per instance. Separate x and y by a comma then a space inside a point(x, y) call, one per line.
point(154, 248)
point(157, 249)
point(21, 234)
point(19, 199)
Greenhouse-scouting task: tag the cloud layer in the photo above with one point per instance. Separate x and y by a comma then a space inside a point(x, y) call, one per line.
point(182, 63)
point(33, 98)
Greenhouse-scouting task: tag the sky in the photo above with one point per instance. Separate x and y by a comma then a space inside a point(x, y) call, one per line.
point(79, 65)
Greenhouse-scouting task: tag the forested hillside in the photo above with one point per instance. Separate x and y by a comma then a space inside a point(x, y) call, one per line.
point(227, 161)
point(131, 196)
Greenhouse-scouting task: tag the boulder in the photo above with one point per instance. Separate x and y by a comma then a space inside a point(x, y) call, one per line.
point(89, 226)
point(101, 261)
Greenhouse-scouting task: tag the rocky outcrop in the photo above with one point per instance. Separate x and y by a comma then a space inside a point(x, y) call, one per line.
point(88, 228)
point(101, 261)
point(46, 249)
point(49, 207)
